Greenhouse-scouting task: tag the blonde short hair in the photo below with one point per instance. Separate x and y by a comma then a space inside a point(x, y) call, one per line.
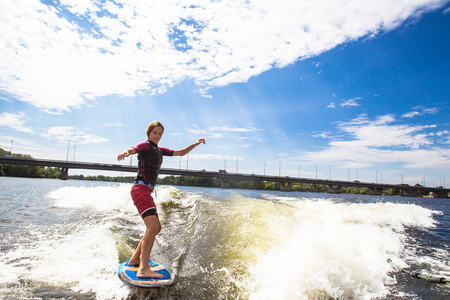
point(152, 126)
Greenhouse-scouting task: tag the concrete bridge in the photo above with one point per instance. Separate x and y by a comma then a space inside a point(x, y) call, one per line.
point(334, 186)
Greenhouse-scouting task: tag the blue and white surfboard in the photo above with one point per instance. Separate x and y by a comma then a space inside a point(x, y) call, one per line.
point(127, 274)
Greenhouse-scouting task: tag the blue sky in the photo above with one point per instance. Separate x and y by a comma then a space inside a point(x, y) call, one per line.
point(334, 89)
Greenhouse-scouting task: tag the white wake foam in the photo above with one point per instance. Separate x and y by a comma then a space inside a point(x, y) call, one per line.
point(101, 197)
point(329, 250)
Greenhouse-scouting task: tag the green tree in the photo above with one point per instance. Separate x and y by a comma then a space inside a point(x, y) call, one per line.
point(271, 185)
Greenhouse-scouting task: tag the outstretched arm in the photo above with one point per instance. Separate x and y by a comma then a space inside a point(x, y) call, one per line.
point(126, 153)
point(188, 148)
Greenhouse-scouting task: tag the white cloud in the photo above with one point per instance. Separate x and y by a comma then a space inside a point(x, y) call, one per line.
point(221, 131)
point(430, 111)
point(331, 105)
point(351, 102)
point(80, 7)
point(441, 133)
point(64, 134)
point(379, 141)
point(112, 125)
point(232, 129)
point(15, 121)
point(208, 156)
point(420, 110)
point(325, 135)
point(363, 157)
point(379, 133)
point(411, 114)
point(59, 58)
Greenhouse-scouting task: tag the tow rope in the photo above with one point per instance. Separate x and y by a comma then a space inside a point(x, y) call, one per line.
point(418, 275)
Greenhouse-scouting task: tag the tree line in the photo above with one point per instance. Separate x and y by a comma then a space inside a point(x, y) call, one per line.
point(13, 170)
point(126, 179)
point(262, 185)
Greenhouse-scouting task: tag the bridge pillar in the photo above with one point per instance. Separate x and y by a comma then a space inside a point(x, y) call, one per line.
point(225, 183)
point(285, 186)
point(410, 193)
point(64, 174)
point(334, 189)
point(375, 191)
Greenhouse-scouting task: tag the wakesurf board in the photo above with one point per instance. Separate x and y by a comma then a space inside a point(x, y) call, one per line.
point(127, 273)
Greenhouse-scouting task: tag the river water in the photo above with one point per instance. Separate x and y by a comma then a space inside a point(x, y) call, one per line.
point(66, 239)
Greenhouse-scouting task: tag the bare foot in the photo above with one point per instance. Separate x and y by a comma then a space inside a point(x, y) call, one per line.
point(133, 263)
point(148, 274)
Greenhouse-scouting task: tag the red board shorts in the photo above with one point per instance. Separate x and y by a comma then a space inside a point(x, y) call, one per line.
point(143, 200)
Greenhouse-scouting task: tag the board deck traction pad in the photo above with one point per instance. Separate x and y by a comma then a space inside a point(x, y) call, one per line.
point(127, 273)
